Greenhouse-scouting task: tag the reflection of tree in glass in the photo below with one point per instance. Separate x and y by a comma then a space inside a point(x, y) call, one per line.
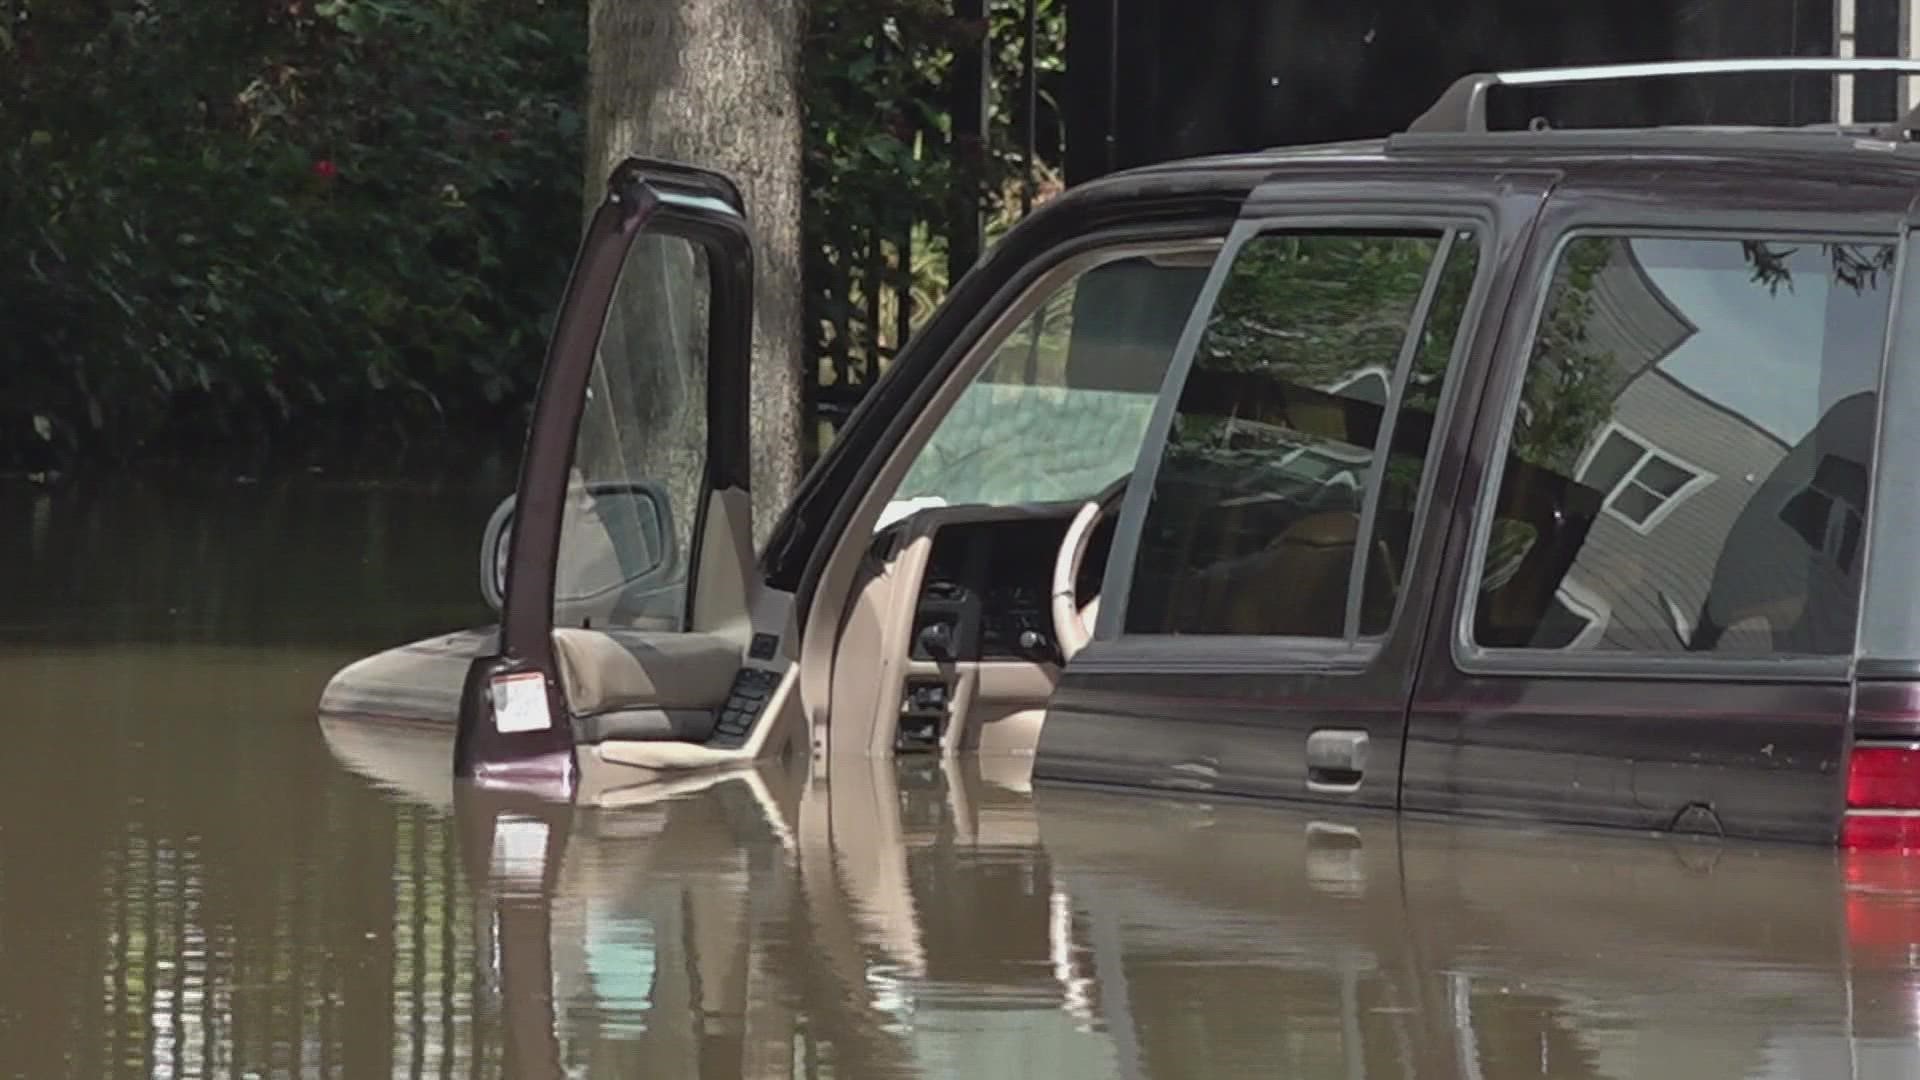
point(1314, 309)
point(1431, 358)
point(1572, 380)
point(1569, 387)
point(1305, 310)
point(1857, 266)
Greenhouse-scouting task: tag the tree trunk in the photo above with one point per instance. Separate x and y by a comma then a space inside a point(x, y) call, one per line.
point(715, 83)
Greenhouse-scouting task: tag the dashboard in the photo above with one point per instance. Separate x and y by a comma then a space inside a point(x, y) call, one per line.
point(985, 594)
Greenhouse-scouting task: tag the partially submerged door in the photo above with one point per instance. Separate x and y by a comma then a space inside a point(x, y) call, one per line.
point(1262, 612)
point(628, 554)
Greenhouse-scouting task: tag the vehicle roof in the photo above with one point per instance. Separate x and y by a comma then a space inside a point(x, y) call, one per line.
point(1455, 128)
point(1809, 150)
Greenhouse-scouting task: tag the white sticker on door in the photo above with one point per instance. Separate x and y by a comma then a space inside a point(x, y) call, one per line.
point(520, 702)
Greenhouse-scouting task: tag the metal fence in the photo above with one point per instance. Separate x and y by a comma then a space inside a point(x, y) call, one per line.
point(871, 282)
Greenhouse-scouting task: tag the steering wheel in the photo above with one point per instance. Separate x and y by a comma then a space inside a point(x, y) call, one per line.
point(1072, 623)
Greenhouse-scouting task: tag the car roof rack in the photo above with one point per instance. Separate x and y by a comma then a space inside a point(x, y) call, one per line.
point(1463, 108)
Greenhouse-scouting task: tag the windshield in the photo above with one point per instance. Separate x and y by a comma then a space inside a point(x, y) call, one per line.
point(1060, 409)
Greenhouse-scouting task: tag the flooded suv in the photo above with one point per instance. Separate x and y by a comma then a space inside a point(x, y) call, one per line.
point(1547, 474)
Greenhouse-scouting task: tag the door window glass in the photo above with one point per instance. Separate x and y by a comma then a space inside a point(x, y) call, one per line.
point(639, 464)
point(1061, 408)
point(1691, 450)
point(1413, 434)
point(1259, 506)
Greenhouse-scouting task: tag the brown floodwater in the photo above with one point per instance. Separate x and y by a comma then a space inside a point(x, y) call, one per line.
point(196, 879)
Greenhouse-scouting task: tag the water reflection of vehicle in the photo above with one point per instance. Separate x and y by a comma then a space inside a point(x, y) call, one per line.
point(942, 920)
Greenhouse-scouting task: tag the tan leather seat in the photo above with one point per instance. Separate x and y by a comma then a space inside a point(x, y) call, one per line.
point(602, 670)
point(1296, 585)
point(1299, 585)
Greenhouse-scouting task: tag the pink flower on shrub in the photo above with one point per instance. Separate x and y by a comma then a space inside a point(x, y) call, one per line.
point(325, 169)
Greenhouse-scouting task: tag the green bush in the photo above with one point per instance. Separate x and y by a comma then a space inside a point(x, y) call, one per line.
point(335, 230)
point(294, 230)
point(885, 174)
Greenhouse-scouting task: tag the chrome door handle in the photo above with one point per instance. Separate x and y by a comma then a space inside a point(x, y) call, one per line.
point(1336, 760)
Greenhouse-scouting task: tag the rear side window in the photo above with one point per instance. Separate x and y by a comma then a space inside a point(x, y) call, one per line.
point(1689, 459)
point(1284, 500)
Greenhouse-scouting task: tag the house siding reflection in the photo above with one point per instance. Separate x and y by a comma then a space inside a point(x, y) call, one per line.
point(1700, 543)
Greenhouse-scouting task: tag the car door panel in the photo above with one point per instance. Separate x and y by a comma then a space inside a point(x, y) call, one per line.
point(1110, 724)
point(1600, 689)
point(1297, 717)
point(1688, 757)
point(654, 329)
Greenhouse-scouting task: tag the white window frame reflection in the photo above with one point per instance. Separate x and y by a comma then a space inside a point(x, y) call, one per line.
point(1588, 606)
point(1665, 504)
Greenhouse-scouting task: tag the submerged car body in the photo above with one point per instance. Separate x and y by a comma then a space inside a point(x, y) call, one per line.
point(1543, 474)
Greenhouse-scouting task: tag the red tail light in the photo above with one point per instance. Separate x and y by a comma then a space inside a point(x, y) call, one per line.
point(1883, 798)
point(1881, 832)
point(1881, 864)
point(1884, 778)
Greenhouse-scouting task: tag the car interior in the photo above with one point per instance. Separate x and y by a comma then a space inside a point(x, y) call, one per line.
point(957, 617)
point(970, 571)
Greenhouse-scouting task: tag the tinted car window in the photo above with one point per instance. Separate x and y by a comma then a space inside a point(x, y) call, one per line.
point(1413, 434)
point(1261, 496)
point(1691, 451)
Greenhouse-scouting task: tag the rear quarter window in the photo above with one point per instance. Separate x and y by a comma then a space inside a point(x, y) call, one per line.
point(1688, 461)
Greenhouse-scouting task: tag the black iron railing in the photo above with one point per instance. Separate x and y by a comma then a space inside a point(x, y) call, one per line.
point(941, 132)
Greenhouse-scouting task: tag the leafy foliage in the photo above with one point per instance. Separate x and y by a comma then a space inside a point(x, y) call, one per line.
point(887, 174)
point(315, 230)
point(1573, 379)
point(1311, 309)
point(1571, 382)
point(252, 227)
point(1857, 266)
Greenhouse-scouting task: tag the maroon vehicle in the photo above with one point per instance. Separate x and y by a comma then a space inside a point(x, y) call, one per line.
point(1546, 474)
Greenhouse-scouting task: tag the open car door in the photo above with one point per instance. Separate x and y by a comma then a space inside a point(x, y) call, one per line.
point(626, 556)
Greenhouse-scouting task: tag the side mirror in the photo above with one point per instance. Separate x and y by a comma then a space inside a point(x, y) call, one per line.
point(494, 543)
point(616, 537)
